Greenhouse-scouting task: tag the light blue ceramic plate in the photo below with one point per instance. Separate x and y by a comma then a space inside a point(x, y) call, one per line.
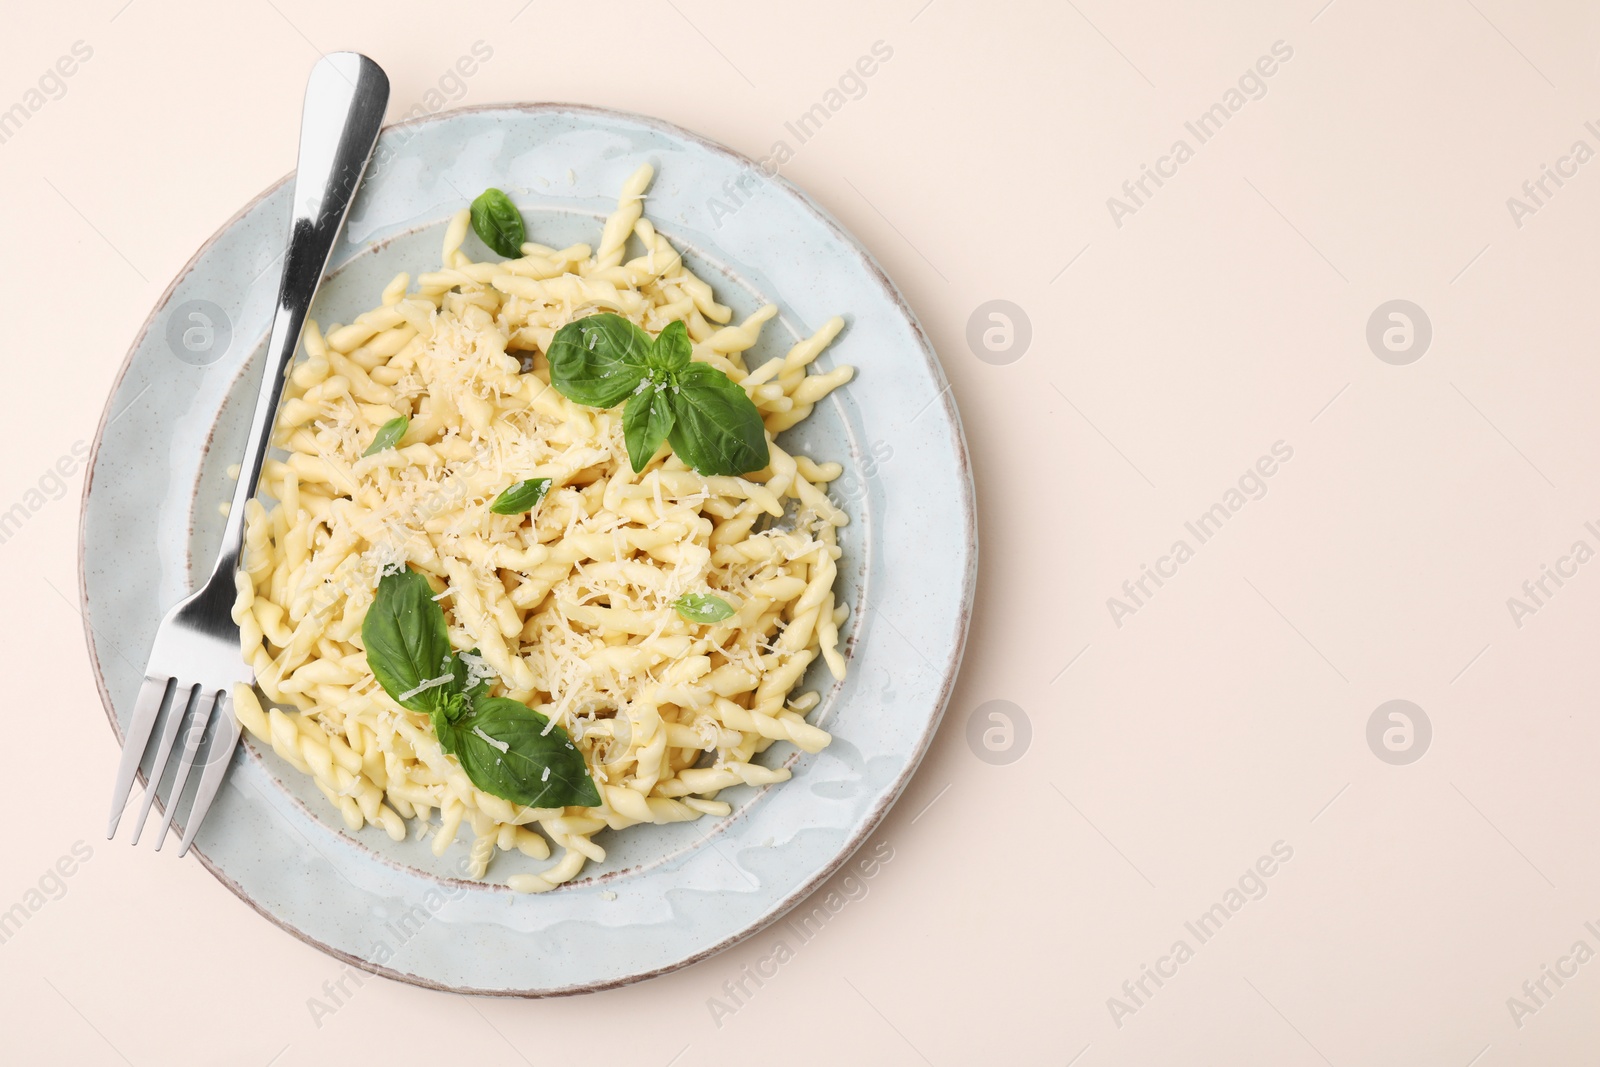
point(666, 896)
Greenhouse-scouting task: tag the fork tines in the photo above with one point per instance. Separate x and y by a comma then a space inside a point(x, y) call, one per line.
point(212, 734)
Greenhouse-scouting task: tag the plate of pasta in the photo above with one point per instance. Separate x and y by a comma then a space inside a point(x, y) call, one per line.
point(610, 572)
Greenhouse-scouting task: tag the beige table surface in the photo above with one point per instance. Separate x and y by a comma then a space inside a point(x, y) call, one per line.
point(1179, 736)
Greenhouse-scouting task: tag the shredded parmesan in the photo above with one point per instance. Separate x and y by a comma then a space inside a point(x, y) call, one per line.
point(501, 745)
point(432, 683)
point(478, 669)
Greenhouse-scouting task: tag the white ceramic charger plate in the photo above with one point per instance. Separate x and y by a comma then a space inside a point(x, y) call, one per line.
point(666, 895)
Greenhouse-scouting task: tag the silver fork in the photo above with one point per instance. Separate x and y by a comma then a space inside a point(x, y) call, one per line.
point(196, 658)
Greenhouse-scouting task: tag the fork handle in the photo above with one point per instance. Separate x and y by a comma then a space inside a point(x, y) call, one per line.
point(345, 99)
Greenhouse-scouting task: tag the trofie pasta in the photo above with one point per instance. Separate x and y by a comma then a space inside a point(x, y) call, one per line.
point(575, 608)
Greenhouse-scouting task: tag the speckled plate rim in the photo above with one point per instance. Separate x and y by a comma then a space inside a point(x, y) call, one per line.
point(967, 507)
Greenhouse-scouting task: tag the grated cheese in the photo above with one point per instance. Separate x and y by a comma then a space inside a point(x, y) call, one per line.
point(501, 745)
point(431, 683)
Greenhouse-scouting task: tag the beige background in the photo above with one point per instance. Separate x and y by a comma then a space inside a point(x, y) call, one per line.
point(1168, 353)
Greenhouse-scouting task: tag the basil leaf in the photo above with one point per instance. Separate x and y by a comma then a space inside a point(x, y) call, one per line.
point(406, 641)
point(388, 434)
point(716, 428)
point(703, 607)
point(445, 731)
point(498, 223)
point(524, 496)
point(711, 422)
point(646, 420)
point(599, 360)
point(672, 349)
point(541, 770)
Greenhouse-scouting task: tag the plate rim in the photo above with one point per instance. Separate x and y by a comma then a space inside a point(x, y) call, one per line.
point(968, 505)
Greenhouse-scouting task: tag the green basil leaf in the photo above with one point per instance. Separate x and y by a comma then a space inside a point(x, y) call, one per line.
point(599, 360)
point(703, 607)
point(504, 750)
point(672, 349)
point(524, 496)
point(646, 421)
point(388, 434)
point(445, 731)
point(716, 427)
point(407, 643)
point(498, 223)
